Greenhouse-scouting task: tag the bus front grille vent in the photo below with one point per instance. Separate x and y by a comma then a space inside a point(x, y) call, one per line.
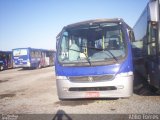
point(107, 88)
point(91, 78)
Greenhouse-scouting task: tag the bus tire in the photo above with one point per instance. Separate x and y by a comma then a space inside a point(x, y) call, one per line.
point(124, 98)
point(63, 99)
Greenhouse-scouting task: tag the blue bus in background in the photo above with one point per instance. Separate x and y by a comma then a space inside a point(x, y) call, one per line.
point(5, 60)
point(32, 58)
point(94, 60)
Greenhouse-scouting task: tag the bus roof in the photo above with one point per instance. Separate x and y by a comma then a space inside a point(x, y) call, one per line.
point(94, 21)
point(34, 49)
point(5, 51)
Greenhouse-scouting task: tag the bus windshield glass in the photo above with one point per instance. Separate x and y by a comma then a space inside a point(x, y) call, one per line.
point(19, 52)
point(99, 43)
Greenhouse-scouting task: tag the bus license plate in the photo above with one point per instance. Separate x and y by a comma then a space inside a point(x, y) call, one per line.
point(92, 94)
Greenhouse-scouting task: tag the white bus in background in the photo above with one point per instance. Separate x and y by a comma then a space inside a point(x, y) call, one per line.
point(147, 35)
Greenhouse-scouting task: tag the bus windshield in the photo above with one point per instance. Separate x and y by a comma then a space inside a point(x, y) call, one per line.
point(100, 43)
point(19, 52)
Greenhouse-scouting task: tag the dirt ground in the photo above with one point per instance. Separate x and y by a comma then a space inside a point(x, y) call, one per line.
point(34, 92)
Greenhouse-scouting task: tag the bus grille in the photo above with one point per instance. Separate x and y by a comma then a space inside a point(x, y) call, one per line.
point(91, 78)
point(92, 88)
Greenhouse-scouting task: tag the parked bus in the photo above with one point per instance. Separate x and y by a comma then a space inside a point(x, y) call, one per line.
point(94, 60)
point(32, 58)
point(147, 35)
point(5, 60)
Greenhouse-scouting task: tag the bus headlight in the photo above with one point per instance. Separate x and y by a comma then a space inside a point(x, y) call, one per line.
point(125, 74)
point(65, 89)
point(61, 77)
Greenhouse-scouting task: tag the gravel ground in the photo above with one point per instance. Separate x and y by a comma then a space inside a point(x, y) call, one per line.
point(34, 92)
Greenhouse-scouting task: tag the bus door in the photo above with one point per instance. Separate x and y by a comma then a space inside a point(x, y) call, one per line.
point(4, 59)
point(153, 59)
point(43, 59)
point(51, 58)
point(47, 57)
point(10, 63)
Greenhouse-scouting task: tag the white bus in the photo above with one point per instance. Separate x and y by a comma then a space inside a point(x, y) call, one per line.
point(147, 35)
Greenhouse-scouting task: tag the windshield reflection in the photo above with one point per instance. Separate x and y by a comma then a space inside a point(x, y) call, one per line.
point(92, 44)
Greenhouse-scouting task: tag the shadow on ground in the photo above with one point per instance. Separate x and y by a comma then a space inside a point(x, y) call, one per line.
point(25, 69)
point(79, 102)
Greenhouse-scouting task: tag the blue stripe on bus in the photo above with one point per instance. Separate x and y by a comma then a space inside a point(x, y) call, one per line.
point(96, 70)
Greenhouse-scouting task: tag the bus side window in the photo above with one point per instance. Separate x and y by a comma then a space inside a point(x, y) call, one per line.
point(152, 39)
point(32, 54)
point(39, 54)
point(0, 56)
point(47, 54)
point(36, 54)
point(64, 46)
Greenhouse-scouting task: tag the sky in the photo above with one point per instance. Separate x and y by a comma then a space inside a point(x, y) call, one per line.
point(36, 23)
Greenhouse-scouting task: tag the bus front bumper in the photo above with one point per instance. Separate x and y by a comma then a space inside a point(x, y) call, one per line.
point(120, 86)
point(21, 65)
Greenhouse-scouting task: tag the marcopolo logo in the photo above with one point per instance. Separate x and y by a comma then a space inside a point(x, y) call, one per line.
point(90, 78)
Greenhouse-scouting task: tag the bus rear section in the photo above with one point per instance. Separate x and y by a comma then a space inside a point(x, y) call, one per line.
point(21, 58)
point(47, 58)
point(94, 60)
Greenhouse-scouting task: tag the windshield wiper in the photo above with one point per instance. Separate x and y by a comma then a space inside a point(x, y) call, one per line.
point(111, 54)
point(87, 58)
